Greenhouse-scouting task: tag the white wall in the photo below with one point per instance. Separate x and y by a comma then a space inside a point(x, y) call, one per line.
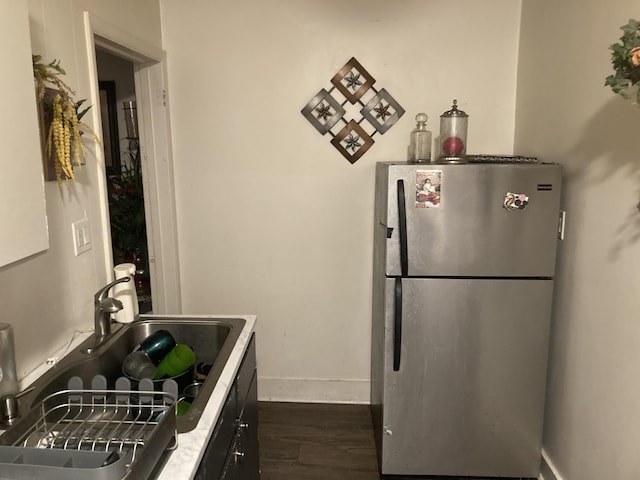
point(565, 114)
point(49, 295)
point(272, 219)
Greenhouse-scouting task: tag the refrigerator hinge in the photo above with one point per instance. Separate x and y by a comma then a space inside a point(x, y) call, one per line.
point(561, 222)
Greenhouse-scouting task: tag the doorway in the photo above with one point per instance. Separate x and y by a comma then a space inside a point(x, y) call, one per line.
point(152, 146)
point(123, 170)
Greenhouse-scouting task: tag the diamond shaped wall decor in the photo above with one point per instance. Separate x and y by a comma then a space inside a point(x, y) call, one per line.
point(353, 84)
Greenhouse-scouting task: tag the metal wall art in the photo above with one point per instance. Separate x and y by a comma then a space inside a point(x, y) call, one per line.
point(326, 111)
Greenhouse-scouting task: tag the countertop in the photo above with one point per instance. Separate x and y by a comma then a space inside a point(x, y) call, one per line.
point(183, 462)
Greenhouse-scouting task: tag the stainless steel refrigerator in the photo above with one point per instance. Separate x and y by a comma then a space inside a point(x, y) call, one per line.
point(464, 259)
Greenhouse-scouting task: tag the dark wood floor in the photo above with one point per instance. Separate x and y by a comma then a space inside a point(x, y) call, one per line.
point(313, 441)
point(302, 441)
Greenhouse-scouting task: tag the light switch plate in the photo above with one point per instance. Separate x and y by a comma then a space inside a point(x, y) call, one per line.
point(81, 236)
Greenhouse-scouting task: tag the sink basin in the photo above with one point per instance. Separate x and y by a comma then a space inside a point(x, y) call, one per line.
point(212, 340)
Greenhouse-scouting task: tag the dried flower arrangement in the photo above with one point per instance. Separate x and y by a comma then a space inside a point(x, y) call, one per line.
point(625, 58)
point(63, 141)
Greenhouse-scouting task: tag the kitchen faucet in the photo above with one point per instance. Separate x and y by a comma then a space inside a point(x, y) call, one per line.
point(104, 307)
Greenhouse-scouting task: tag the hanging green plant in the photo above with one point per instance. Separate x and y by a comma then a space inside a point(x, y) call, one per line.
point(625, 58)
point(63, 136)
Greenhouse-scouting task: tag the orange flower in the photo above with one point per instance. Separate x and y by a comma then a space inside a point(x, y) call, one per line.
point(635, 56)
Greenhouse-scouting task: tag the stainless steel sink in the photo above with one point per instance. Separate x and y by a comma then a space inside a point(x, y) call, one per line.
point(212, 340)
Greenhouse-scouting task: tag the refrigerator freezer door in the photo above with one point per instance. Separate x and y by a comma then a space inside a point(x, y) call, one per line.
point(484, 220)
point(468, 397)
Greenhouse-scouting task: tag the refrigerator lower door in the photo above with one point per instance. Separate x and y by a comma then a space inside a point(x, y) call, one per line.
point(468, 396)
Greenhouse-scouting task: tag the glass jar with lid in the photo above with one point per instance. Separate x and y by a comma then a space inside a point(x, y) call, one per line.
point(420, 141)
point(453, 135)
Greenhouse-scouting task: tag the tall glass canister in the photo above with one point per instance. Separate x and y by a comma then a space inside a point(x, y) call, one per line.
point(8, 376)
point(453, 135)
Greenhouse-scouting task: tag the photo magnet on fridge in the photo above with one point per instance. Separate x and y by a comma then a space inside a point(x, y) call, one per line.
point(428, 183)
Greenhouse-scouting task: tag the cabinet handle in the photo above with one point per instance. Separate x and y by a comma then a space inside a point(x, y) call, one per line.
point(237, 455)
point(243, 425)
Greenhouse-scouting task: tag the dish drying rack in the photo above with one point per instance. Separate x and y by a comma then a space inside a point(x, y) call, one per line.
point(96, 433)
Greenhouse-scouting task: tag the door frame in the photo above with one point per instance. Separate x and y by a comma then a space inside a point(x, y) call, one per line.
point(150, 77)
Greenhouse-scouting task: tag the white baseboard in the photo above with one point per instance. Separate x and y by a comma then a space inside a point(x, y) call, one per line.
point(548, 469)
point(313, 390)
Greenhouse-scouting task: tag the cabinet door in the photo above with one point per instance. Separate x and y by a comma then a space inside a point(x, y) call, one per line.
point(243, 462)
point(22, 202)
point(232, 453)
point(224, 434)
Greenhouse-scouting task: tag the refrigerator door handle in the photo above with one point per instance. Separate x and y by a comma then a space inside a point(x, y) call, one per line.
point(402, 226)
point(397, 324)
